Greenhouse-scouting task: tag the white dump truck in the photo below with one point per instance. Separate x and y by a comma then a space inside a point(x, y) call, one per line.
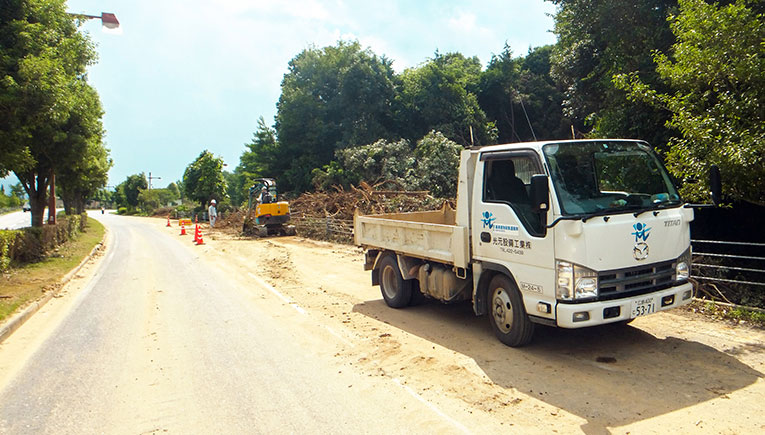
point(562, 233)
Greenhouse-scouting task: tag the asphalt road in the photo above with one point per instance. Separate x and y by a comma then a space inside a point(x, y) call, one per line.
point(15, 220)
point(20, 219)
point(159, 341)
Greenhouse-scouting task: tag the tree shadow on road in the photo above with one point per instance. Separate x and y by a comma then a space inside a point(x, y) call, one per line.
point(609, 375)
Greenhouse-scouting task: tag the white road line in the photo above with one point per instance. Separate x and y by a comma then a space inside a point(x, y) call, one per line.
point(340, 337)
point(433, 407)
point(298, 308)
point(276, 292)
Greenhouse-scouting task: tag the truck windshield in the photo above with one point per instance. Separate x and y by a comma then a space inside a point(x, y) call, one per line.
point(608, 176)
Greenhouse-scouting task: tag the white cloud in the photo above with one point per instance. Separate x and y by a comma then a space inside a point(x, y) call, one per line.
point(463, 23)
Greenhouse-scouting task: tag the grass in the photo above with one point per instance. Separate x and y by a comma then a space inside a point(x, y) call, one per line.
point(28, 282)
point(734, 315)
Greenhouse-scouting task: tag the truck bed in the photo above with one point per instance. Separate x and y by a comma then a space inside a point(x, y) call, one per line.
point(431, 235)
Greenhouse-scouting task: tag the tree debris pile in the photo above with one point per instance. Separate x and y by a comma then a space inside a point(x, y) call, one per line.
point(328, 215)
point(340, 204)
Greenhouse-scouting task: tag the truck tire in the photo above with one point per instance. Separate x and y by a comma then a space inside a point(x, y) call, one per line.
point(418, 298)
point(396, 291)
point(507, 315)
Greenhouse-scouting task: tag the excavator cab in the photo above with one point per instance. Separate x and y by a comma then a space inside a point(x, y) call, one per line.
point(266, 215)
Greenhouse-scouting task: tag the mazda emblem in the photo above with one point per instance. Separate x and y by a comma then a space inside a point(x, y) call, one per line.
point(640, 251)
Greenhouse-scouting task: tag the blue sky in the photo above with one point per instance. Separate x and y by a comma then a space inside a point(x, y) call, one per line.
point(188, 75)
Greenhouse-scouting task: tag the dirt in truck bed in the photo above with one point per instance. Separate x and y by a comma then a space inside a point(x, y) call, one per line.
point(669, 372)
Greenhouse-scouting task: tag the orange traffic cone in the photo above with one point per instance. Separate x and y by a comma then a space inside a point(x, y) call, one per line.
point(196, 233)
point(199, 239)
point(183, 229)
point(168, 221)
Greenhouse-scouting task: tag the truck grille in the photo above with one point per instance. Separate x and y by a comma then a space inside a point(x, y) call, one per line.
point(620, 283)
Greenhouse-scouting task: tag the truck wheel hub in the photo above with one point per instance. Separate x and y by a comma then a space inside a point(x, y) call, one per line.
point(503, 310)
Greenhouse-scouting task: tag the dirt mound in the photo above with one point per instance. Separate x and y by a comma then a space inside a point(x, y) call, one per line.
point(232, 219)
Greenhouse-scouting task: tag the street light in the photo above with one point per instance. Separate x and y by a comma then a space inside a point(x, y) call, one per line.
point(109, 21)
point(152, 178)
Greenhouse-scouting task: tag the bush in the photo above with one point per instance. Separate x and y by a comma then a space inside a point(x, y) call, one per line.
point(7, 241)
point(182, 211)
point(34, 243)
point(122, 210)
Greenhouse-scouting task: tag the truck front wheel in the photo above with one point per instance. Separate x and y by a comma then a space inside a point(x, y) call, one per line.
point(396, 291)
point(507, 315)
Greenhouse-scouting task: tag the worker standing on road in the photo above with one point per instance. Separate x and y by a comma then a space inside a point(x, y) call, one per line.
point(212, 213)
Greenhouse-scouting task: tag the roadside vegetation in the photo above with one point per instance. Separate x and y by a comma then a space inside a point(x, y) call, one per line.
point(13, 200)
point(55, 129)
point(737, 315)
point(25, 281)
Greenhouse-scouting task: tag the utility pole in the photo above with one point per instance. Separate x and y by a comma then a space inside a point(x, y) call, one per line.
point(152, 178)
point(52, 199)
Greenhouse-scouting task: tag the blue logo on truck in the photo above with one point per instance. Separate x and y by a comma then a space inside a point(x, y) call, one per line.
point(641, 232)
point(488, 219)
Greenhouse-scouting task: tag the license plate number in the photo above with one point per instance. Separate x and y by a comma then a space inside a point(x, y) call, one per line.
point(643, 307)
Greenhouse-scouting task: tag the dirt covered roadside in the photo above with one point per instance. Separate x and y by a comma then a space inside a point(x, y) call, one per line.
point(670, 372)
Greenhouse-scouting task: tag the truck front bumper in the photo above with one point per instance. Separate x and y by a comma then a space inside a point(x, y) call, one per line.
point(602, 312)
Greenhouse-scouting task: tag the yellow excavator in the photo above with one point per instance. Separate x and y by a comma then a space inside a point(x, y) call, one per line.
point(271, 216)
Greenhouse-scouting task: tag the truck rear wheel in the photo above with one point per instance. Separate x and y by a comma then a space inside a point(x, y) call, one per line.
point(507, 315)
point(396, 291)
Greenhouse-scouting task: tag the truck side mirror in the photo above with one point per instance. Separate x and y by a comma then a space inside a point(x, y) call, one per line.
point(715, 184)
point(540, 193)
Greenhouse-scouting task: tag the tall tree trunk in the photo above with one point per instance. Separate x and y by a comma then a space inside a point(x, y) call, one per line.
point(36, 186)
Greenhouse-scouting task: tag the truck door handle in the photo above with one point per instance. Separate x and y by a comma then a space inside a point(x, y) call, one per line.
point(485, 237)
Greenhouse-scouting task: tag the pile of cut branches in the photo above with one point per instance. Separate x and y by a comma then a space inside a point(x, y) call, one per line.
point(341, 203)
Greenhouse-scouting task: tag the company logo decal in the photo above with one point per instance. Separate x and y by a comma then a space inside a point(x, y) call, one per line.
point(641, 232)
point(488, 219)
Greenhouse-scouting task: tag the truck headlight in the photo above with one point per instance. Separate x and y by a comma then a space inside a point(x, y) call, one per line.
point(683, 266)
point(574, 282)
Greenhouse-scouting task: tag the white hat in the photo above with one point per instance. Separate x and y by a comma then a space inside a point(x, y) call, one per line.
point(212, 201)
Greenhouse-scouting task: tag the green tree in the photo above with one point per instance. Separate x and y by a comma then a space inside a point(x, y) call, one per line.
point(150, 200)
point(432, 165)
point(118, 196)
point(598, 39)
point(332, 98)
point(259, 160)
point(8, 200)
point(374, 163)
point(88, 163)
point(234, 189)
point(716, 76)
point(43, 60)
point(203, 179)
point(438, 161)
point(441, 95)
point(18, 191)
point(521, 96)
point(175, 193)
point(181, 191)
point(104, 197)
point(132, 188)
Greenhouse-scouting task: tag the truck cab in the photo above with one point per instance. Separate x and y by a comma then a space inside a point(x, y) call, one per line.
point(610, 241)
